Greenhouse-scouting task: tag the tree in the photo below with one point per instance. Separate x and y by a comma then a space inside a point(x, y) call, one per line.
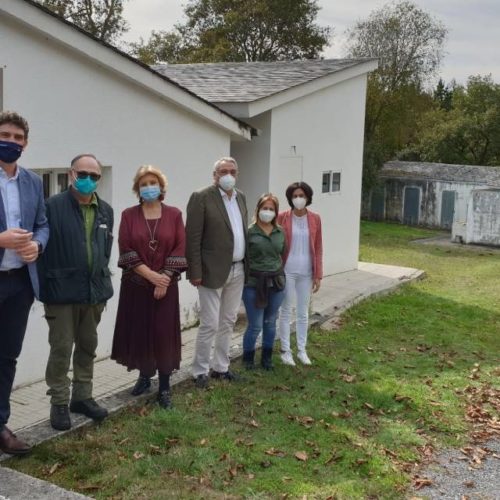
point(443, 95)
point(408, 43)
point(101, 18)
point(469, 133)
point(236, 30)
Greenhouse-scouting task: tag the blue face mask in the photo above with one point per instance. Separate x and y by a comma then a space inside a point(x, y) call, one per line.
point(10, 151)
point(85, 185)
point(149, 193)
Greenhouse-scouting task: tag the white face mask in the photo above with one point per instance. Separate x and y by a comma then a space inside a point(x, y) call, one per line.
point(266, 215)
point(299, 202)
point(227, 182)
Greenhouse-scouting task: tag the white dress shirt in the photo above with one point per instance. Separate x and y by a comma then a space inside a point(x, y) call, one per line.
point(9, 188)
point(233, 211)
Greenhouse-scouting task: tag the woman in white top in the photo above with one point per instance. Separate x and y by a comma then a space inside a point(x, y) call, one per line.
point(303, 267)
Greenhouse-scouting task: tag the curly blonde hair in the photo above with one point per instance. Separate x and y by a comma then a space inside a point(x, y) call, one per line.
point(150, 169)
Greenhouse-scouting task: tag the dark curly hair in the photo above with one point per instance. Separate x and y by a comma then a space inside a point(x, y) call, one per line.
point(299, 185)
point(15, 119)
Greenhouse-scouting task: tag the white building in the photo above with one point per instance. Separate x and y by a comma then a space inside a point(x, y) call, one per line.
point(311, 120)
point(81, 95)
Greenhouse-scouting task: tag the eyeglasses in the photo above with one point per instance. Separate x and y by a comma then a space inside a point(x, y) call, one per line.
point(82, 174)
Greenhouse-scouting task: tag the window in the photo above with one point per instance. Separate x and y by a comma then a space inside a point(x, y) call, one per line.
point(55, 180)
point(325, 185)
point(330, 182)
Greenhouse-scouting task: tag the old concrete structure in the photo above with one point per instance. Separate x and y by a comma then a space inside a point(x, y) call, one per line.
point(451, 197)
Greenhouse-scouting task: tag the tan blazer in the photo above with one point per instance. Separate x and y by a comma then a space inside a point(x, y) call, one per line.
point(209, 238)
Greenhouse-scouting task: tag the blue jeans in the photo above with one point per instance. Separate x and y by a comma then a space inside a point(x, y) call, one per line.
point(261, 320)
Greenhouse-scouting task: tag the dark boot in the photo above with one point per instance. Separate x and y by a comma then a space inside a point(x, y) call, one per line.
point(248, 360)
point(142, 385)
point(164, 400)
point(59, 417)
point(267, 358)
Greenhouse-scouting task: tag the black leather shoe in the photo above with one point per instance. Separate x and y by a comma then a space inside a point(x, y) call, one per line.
point(164, 400)
point(89, 408)
point(201, 381)
point(59, 417)
point(141, 386)
point(229, 375)
point(11, 444)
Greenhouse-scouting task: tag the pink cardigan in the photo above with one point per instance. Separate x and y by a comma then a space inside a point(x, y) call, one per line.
point(315, 239)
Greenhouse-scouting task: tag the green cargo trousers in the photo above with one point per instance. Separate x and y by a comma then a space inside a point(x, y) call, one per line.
point(71, 325)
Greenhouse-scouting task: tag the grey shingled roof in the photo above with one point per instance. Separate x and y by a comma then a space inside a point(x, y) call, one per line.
point(247, 82)
point(472, 174)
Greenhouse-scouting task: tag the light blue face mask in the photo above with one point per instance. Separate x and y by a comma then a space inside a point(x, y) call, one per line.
point(85, 185)
point(149, 193)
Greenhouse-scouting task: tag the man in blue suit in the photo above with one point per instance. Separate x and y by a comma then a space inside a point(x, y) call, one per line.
point(24, 232)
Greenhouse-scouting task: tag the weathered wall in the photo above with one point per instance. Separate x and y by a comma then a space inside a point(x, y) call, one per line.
point(483, 218)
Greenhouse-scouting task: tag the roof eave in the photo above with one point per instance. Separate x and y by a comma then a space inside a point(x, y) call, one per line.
point(253, 108)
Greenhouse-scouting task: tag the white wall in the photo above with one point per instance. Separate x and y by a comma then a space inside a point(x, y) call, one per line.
point(253, 160)
point(74, 106)
point(324, 131)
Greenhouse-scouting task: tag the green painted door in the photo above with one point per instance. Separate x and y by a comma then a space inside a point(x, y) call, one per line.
point(411, 207)
point(447, 209)
point(377, 208)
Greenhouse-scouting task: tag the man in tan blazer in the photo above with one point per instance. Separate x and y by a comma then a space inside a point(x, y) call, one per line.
point(216, 230)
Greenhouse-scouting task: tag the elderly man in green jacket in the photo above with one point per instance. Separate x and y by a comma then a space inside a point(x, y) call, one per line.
point(75, 283)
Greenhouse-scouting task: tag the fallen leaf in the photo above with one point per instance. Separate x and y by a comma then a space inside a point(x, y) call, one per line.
point(265, 464)
point(56, 466)
point(275, 453)
point(203, 442)
point(233, 471)
point(253, 423)
point(301, 455)
point(155, 450)
point(420, 482)
point(123, 441)
point(348, 378)
point(369, 406)
point(469, 484)
point(138, 455)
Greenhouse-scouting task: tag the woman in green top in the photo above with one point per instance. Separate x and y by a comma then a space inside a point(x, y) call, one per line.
point(264, 289)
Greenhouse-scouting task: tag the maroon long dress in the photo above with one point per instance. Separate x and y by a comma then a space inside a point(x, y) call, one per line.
point(147, 330)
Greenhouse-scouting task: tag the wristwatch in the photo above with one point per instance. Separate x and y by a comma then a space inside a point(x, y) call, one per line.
point(40, 248)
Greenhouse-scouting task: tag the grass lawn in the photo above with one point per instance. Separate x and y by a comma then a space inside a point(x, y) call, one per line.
point(384, 391)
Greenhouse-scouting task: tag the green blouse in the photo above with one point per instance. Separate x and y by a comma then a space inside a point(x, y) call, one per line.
point(264, 251)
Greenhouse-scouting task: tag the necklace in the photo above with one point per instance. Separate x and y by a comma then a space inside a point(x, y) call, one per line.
point(153, 244)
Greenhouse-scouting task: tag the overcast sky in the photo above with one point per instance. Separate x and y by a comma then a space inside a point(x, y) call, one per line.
point(473, 45)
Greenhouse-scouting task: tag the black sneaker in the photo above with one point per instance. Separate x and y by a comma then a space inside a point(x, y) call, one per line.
point(141, 386)
point(229, 375)
point(164, 400)
point(59, 417)
point(201, 381)
point(89, 408)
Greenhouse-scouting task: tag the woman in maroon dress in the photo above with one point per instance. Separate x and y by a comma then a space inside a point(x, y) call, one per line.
point(152, 242)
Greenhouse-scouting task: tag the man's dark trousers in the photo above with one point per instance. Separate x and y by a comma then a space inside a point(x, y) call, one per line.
point(16, 297)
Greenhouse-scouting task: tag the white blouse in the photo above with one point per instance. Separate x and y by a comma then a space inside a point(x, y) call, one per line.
point(299, 257)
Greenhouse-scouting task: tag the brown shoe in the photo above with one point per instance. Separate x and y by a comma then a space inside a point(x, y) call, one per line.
point(10, 444)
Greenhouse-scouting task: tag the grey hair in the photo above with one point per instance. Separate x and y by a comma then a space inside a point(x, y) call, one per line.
point(225, 159)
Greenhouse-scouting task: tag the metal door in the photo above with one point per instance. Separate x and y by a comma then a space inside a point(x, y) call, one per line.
point(411, 207)
point(447, 209)
point(377, 208)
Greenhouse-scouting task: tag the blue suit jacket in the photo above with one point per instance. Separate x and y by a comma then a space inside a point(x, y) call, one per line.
point(32, 215)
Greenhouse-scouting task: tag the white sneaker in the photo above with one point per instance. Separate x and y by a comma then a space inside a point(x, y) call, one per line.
point(304, 358)
point(287, 358)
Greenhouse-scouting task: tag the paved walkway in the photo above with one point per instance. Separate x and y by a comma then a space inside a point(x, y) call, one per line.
point(30, 405)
